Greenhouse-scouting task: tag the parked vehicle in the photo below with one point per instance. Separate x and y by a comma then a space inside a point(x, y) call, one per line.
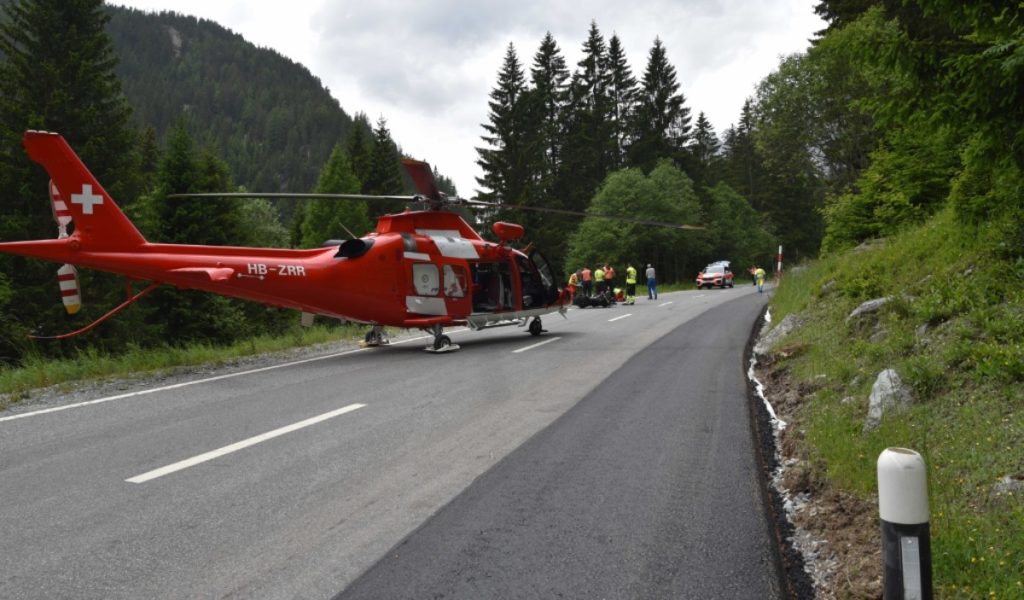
point(717, 274)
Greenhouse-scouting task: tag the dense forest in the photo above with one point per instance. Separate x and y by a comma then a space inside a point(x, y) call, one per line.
point(269, 118)
point(896, 110)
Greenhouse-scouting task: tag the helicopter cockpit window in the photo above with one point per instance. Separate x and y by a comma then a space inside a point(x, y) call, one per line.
point(425, 279)
point(454, 281)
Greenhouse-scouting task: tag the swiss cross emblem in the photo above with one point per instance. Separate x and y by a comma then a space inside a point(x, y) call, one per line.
point(87, 199)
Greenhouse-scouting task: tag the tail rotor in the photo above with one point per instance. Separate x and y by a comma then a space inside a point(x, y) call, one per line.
point(67, 275)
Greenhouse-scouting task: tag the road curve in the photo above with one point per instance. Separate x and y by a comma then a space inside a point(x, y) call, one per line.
point(647, 488)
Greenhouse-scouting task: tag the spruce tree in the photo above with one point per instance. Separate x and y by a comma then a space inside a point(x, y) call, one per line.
point(742, 167)
point(56, 74)
point(590, 140)
point(622, 92)
point(703, 150)
point(503, 178)
point(333, 219)
point(359, 147)
point(549, 76)
point(384, 177)
point(662, 123)
point(188, 315)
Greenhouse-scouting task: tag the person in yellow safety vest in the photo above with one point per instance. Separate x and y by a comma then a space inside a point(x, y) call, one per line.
point(573, 282)
point(599, 280)
point(759, 276)
point(630, 284)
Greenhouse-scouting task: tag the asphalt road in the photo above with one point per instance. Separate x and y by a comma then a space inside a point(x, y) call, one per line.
point(611, 457)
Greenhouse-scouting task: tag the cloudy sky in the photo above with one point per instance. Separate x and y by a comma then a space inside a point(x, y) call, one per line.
point(427, 66)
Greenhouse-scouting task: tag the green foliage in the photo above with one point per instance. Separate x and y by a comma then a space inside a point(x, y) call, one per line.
point(954, 330)
point(661, 125)
point(56, 73)
point(735, 232)
point(383, 177)
point(666, 195)
point(92, 364)
point(333, 219)
point(908, 181)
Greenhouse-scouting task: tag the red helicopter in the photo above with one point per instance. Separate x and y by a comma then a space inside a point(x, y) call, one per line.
point(423, 269)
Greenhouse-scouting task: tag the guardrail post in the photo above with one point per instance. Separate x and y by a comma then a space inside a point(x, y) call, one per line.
point(906, 541)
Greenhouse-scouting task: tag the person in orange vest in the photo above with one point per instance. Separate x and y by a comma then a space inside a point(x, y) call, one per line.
point(586, 281)
point(573, 282)
point(609, 274)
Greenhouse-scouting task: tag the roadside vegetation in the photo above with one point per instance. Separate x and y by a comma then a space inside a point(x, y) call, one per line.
point(38, 371)
point(954, 331)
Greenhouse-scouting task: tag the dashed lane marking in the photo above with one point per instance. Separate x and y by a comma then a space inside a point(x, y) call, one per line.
point(537, 345)
point(198, 381)
point(620, 317)
point(207, 456)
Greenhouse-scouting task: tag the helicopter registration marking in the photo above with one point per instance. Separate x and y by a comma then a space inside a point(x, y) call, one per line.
point(281, 270)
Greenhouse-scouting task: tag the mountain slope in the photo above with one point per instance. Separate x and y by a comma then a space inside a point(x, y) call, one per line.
point(267, 116)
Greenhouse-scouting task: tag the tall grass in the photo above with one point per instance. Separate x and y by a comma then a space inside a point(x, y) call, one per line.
point(954, 331)
point(36, 372)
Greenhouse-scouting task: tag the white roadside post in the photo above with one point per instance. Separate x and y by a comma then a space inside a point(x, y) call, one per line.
point(906, 541)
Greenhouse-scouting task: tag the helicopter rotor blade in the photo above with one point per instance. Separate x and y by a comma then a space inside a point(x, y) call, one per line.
point(435, 202)
point(576, 213)
point(295, 196)
point(423, 178)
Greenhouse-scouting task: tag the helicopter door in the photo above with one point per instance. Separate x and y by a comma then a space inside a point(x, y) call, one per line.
point(547, 277)
point(530, 283)
point(492, 287)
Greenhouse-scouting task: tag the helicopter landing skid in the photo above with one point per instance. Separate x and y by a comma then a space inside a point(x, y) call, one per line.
point(442, 349)
point(375, 337)
point(442, 343)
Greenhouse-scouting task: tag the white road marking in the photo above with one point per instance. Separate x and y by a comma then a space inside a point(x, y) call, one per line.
point(537, 345)
point(667, 303)
point(620, 317)
point(195, 460)
point(197, 381)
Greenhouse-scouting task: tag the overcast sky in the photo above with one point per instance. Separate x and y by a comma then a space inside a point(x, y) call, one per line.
point(427, 66)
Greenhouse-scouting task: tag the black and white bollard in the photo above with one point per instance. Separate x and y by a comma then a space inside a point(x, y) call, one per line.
point(906, 542)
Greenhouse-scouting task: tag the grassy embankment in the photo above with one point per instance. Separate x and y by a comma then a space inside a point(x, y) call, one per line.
point(954, 331)
point(37, 372)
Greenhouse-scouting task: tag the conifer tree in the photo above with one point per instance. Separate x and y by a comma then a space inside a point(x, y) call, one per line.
point(622, 92)
point(359, 147)
point(662, 123)
point(384, 177)
point(703, 150)
point(502, 161)
point(590, 139)
point(189, 314)
point(549, 76)
point(56, 74)
point(742, 168)
point(333, 219)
